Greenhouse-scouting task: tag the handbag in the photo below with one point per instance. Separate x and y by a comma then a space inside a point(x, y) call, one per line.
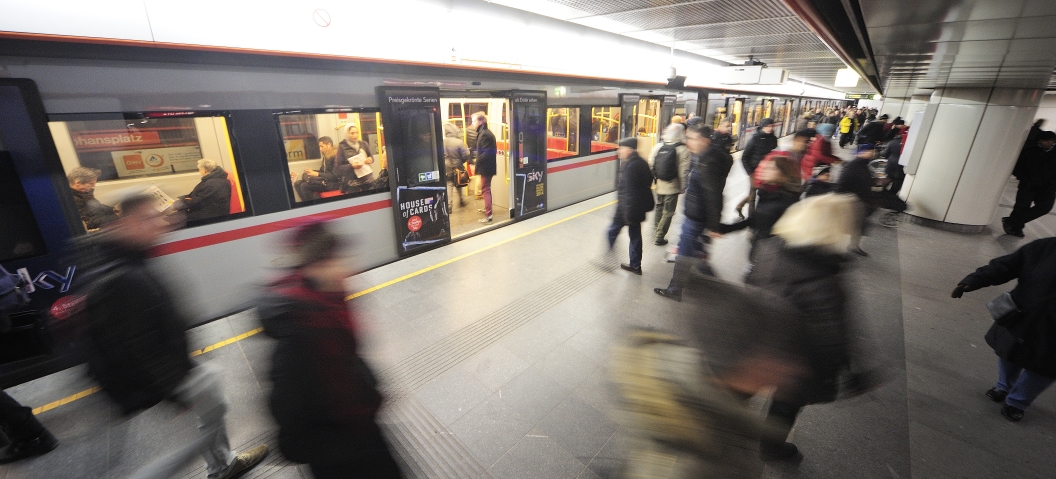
point(461, 177)
point(1003, 309)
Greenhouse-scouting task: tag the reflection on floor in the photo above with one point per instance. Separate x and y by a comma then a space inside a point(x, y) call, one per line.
point(466, 219)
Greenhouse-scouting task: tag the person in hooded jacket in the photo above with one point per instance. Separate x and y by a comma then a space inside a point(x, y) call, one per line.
point(759, 145)
point(634, 199)
point(353, 156)
point(94, 213)
point(211, 197)
point(778, 190)
point(818, 153)
point(456, 155)
point(1026, 369)
point(667, 191)
point(803, 263)
point(324, 396)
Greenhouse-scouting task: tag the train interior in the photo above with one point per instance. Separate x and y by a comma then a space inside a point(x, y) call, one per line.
point(309, 138)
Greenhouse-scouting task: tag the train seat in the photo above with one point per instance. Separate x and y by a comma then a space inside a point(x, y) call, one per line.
point(236, 203)
point(330, 194)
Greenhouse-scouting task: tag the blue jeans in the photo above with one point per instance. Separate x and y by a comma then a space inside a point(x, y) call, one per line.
point(634, 230)
point(689, 253)
point(1022, 386)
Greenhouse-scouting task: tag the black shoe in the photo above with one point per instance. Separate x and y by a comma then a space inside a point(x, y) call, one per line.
point(860, 252)
point(660, 242)
point(668, 294)
point(996, 395)
point(786, 452)
point(1010, 229)
point(35, 446)
point(1012, 413)
point(627, 267)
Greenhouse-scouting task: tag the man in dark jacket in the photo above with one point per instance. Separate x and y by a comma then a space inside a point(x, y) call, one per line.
point(486, 165)
point(1025, 344)
point(325, 178)
point(722, 137)
point(872, 132)
point(94, 213)
point(1037, 184)
point(893, 152)
point(138, 348)
point(211, 197)
point(634, 199)
point(759, 145)
point(703, 207)
point(857, 179)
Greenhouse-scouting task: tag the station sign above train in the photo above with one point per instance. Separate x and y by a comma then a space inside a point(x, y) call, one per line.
point(860, 96)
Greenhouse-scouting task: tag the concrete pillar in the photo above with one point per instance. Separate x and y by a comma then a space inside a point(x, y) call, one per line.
point(960, 155)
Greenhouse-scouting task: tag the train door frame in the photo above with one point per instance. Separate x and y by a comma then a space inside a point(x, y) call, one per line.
point(735, 113)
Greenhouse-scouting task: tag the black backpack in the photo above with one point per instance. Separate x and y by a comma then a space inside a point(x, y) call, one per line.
point(665, 166)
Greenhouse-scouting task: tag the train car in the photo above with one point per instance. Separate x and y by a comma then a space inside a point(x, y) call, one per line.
point(84, 120)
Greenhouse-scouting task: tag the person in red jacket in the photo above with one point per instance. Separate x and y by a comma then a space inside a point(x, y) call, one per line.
point(818, 153)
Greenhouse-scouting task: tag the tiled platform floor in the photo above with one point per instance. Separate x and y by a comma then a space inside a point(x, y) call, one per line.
point(495, 363)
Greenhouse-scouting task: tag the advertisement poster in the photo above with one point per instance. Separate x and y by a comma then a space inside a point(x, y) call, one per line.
point(131, 163)
point(529, 153)
point(424, 215)
point(295, 150)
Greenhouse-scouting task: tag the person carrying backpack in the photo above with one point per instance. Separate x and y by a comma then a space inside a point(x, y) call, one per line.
point(670, 163)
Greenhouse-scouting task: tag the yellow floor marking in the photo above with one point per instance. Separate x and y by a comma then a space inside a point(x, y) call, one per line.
point(226, 342)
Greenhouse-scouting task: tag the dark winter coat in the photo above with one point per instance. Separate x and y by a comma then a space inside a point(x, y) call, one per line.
point(770, 205)
point(703, 201)
point(809, 278)
point(1036, 167)
point(871, 133)
point(1034, 266)
point(137, 347)
point(94, 214)
point(759, 145)
point(856, 179)
point(324, 397)
point(634, 193)
point(210, 197)
point(350, 183)
point(487, 149)
point(722, 141)
point(816, 187)
point(893, 153)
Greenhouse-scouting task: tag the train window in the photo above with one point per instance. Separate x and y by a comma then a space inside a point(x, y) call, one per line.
point(332, 155)
point(605, 128)
point(20, 237)
point(183, 159)
point(562, 133)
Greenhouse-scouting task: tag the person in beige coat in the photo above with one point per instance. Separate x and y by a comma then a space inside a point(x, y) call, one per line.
point(667, 191)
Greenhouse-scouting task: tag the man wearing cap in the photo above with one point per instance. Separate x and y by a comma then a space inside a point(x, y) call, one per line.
point(1037, 184)
point(872, 132)
point(634, 197)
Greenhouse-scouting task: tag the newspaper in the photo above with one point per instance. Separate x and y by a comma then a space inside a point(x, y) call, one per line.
point(162, 201)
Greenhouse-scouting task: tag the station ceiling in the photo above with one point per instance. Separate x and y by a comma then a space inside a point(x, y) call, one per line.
point(911, 46)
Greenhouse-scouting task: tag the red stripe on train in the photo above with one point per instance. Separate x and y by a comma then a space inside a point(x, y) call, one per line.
point(257, 230)
point(580, 164)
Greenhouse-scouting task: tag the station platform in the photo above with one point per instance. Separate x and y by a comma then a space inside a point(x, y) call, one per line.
point(492, 352)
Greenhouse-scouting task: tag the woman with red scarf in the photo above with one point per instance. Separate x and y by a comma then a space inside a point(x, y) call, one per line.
point(325, 397)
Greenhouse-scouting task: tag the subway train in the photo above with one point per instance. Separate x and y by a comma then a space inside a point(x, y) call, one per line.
point(127, 119)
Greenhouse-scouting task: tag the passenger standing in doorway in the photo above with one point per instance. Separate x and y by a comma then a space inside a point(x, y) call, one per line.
point(486, 167)
point(1037, 184)
point(703, 207)
point(634, 199)
point(324, 396)
point(670, 164)
point(138, 345)
point(1025, 343)
point(456, 155)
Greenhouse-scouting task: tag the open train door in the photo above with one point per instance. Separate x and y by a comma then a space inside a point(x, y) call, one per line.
point(528, 151)
point(415, 152)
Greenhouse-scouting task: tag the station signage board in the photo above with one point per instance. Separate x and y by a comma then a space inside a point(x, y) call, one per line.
point(860, 96)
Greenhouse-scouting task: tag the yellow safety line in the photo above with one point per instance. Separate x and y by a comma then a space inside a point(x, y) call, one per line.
point(226, 342)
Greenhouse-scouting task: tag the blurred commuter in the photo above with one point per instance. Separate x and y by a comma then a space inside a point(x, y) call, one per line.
point(325, 178)
point(634, 199)
point(848, 127)
point(94, 214)
point(137, 345)
point(800, 144)
point(21, 434)
point(678, 120)
point(894, 172)
point(1037, 184)
point(827, 124)
point(779, 188)
point(702, 210)
point(871, 133)
point(670, 163)
point(1024, 337)
point(456, 155)
point(324, 396)
point(803, 121)
point(722, 138)
point(819, 152)
point(1032, 134)
point(803, 263)
point(857, 179)
point(211, 197)
point(820, 183)
point(353, 162)
point(759, 145)
point(486, 166)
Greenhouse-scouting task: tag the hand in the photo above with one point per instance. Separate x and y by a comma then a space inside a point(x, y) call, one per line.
point(311, 172)
point(293, 176)
point(714, 234)
point(958, 291)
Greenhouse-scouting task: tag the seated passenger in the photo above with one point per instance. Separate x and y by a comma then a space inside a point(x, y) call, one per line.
point(93, 213)
point(326, 178)
point(353, 160)
point(210, 197)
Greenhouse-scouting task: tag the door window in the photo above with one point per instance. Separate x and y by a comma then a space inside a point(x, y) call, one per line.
point(562, 133)
point(605, 128)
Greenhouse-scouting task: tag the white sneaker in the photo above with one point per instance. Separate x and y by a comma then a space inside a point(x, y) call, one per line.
point(485, 220)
